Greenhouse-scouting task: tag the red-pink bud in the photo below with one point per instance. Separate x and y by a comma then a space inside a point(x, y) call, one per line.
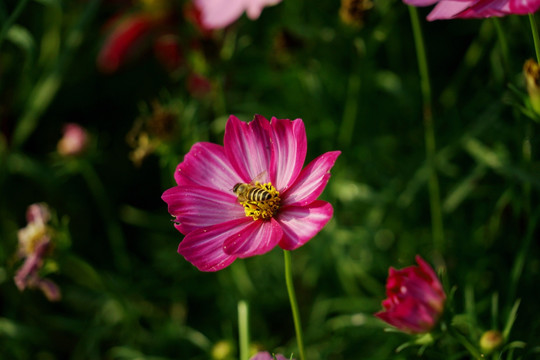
point(74, 141)
point(415, 298)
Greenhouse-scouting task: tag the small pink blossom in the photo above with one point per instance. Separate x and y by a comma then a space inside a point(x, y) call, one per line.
point(34, 245)
point(450, 9)
point(218, 226)
point(216, 14)
point(264, 355)
point(74, 141)
point(415, 298)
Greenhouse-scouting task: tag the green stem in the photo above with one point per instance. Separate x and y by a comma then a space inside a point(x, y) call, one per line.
point(243, 329)
point(437, 226)
point(534, 29)
point(294, 304)
point(114, 231)
point(11, 20)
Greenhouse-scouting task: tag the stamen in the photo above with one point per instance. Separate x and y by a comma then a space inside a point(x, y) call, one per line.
point(262, 209)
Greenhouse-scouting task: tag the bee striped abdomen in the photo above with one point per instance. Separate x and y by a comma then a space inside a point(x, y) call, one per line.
point(257, 194)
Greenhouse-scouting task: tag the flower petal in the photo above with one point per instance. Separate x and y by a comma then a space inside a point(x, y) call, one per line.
point(196, 206)
point(204, 247)
point(206, 165)
point(216, 14)
point(255, 239)
point(523, 7)
point(248, 147)
point(290, 147)
point(311, 182)
point(449, 9)
point(301, 223)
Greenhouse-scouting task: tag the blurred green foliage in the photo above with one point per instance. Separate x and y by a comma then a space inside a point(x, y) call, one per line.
point(127, 294)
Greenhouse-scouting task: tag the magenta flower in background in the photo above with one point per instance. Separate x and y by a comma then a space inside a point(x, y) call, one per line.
point(34, 245)
point(450, 9)
point(415, 298)
point(264, 355)
point(216, 14)
point(220, 225)
point(74, 141)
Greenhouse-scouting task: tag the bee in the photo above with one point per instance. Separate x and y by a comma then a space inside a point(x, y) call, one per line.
point(250, 192)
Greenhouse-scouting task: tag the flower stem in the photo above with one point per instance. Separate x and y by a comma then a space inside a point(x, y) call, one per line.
point(437, 227)
point(294, 304)
point(243, 329)
point(534, 29)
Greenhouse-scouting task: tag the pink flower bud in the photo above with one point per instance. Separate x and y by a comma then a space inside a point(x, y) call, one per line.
point(74, 141)
point(415, 298)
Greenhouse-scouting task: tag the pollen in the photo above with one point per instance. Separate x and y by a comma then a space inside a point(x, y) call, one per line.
point(261, 209)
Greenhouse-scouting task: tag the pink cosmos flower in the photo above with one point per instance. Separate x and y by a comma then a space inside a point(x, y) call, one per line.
point(220, 225)
point(415, 298)
point(74, 141)
point(34, 244)
point(264, 355)
point(216, 14)
point(450, 9)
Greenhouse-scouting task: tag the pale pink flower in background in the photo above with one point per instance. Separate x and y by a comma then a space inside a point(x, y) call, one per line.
point(264, 355)
point(74, 141)
point(415, 298)
point(450, 9)
point(216, 14)
point(217, 225)
point(34, 244)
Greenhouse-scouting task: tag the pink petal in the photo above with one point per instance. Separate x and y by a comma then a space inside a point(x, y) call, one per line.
point(195, 207)
point(204, 247)
point(311, 182)
point(206, 165)
point(301, 223)
point(255, 239)
point(254, 7)
point(448, 9)
point(524, 6)
point(290, 146)
point(486, 8)
point(50, 289)
point(248, 147)
point(216, 14)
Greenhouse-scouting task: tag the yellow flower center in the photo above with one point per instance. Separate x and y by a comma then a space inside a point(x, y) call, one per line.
point(260, 201)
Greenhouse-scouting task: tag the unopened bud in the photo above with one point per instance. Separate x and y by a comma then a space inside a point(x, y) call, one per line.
point(531, 70)
point(222, 350)
point(491, 340)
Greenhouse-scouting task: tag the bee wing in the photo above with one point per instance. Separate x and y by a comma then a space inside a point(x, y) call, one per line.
point(259, 177)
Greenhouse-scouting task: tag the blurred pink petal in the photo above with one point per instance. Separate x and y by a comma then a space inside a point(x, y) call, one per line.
point(216, 14)
point(466, 9)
